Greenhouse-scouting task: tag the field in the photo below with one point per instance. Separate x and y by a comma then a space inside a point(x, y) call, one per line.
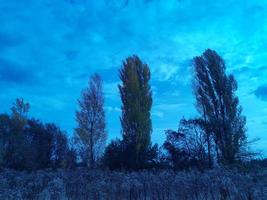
point(157, 185)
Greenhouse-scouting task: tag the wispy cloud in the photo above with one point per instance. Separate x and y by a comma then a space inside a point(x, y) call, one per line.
point(12, 73)
point(261, 92)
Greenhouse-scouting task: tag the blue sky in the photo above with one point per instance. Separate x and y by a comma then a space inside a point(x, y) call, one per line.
point(49, 48)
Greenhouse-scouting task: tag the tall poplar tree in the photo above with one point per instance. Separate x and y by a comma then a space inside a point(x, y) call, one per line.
point(136, 96)
point(91, 130)
point(219, 107)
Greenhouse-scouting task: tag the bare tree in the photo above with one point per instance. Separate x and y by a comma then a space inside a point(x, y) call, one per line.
point(91, 130)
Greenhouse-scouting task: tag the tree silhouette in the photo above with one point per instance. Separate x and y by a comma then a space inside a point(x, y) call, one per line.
point(91, 130)
point(136, 97)
point(219, 107)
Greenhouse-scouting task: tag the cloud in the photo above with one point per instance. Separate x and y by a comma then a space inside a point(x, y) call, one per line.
point(71, 54)
point(7, 40)
point(166, 71)
point(111, 90)
point(158, 114)
point(60, 43)
point(261, 92)
point(13, 73)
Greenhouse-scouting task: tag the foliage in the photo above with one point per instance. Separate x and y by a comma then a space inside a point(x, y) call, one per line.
point(136, 97)
point(117, 156)
point(91, 132)
point(187, 147)
point(219, 107)
point(28, 144)
point(215, 138)
point(113, 157)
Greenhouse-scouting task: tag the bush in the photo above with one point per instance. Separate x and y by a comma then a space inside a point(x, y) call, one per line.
point(118, 156)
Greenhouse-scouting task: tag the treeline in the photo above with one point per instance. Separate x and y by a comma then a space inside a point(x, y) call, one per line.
point(216, 137)
point(28, 144)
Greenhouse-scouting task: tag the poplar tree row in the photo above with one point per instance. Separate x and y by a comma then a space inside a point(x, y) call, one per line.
point(215, 137)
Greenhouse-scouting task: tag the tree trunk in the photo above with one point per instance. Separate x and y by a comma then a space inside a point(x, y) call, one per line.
point(92, 160)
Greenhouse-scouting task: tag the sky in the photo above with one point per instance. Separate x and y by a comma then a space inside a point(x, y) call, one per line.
point(49, 49)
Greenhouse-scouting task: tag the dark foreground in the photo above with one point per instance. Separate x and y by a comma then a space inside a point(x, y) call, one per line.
point(163, 185)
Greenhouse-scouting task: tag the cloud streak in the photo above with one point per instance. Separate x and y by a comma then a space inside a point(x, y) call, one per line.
point(12, 73)
point(261, 92)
